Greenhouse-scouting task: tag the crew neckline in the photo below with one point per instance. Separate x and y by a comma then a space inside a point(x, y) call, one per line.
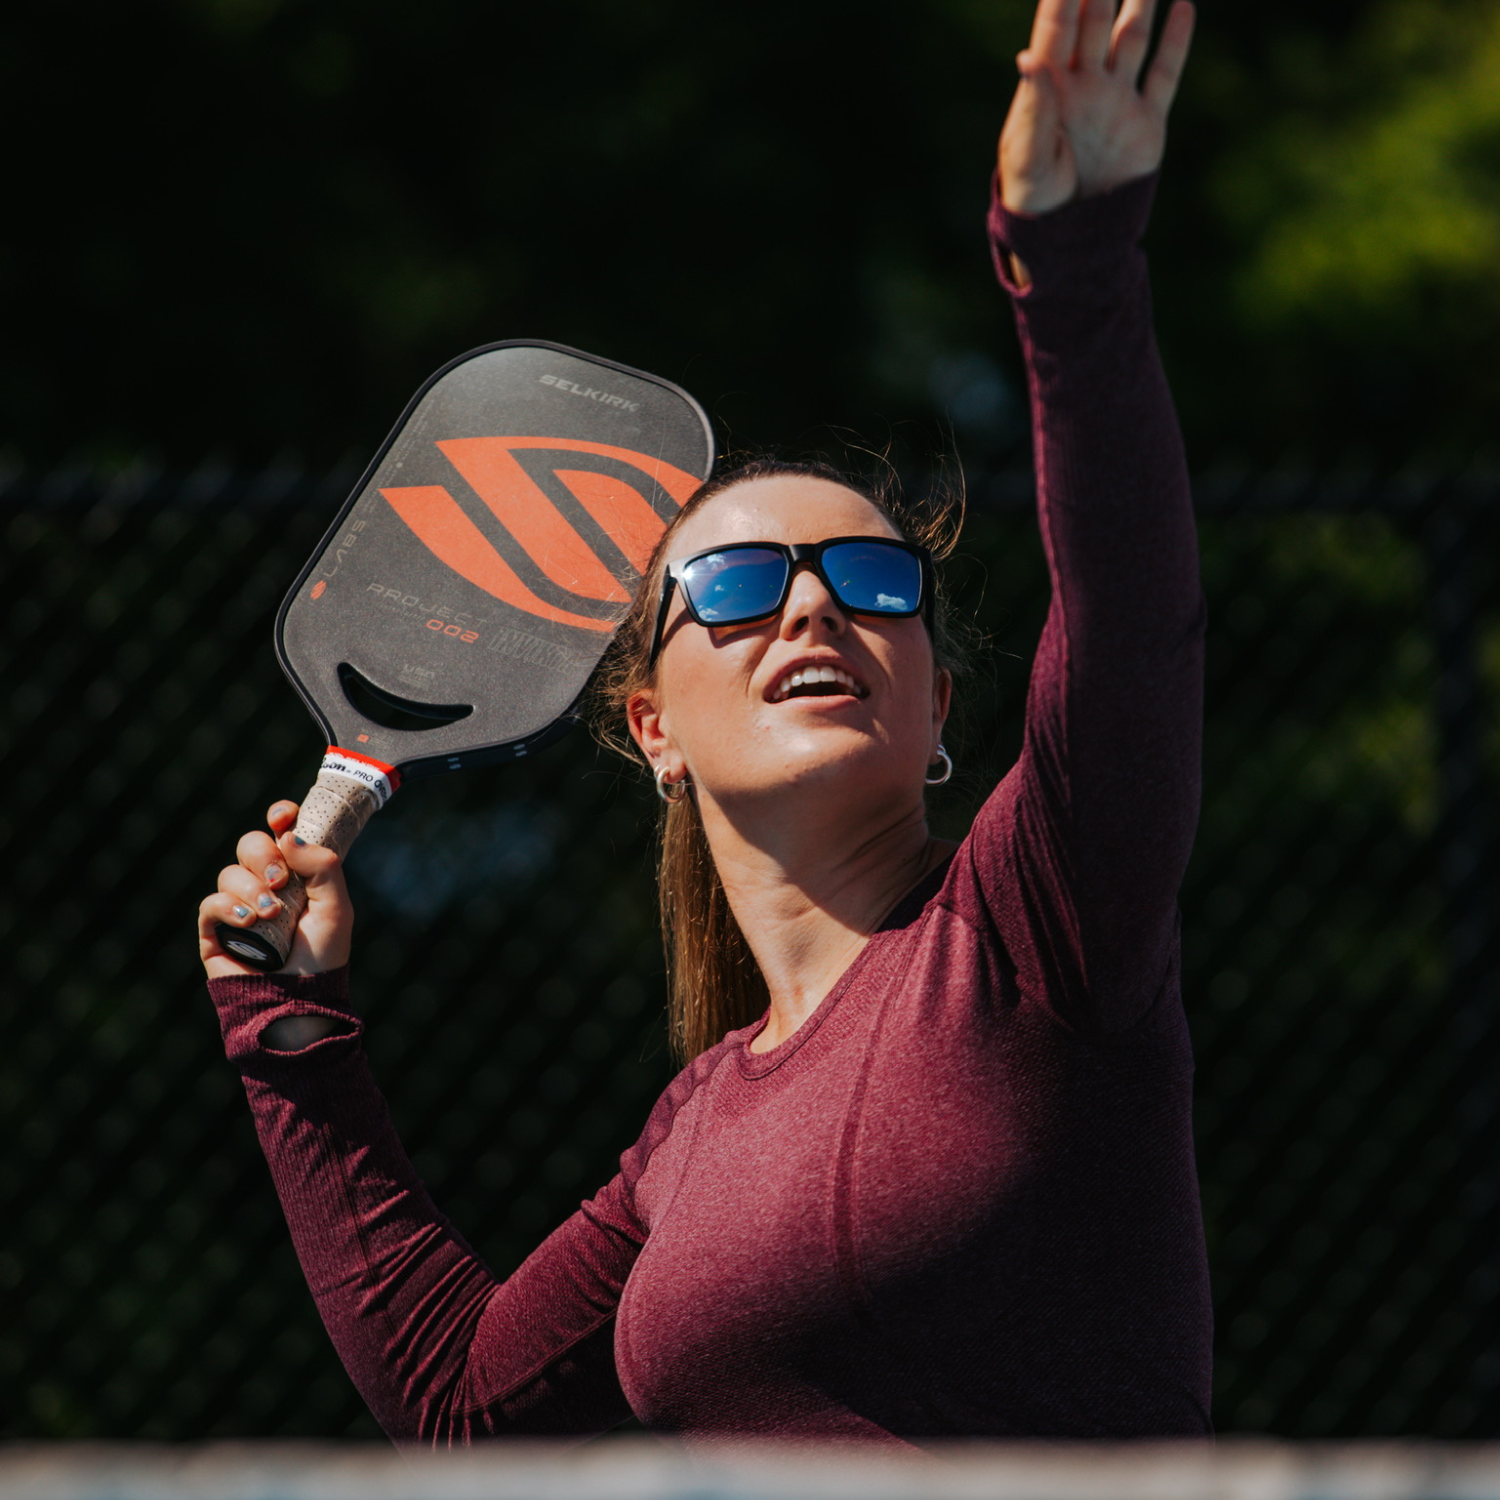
point(906, 910)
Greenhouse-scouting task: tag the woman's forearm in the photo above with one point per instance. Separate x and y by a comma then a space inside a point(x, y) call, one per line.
point(1113, 495)
point(439, 1349)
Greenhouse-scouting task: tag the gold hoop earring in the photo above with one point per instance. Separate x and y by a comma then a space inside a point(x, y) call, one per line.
point(670, 791)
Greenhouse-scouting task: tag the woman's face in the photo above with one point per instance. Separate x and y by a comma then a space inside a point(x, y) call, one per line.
point(720, 711)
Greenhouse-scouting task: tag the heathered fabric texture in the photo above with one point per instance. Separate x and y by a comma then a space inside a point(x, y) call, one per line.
point(960, 1200)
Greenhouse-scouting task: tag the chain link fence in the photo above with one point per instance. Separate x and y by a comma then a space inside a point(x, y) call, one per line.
point(1341, 965)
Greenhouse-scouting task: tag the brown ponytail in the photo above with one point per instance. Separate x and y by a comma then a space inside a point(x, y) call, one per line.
point(714, 983)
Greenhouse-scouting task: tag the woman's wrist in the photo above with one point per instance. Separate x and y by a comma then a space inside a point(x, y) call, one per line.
point(1071, 245)
point(282, 1012)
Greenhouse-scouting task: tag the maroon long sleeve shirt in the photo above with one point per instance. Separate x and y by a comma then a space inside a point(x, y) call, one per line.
point(960, 1200)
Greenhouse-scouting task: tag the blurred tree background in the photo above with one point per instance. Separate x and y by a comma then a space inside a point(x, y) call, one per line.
point(250, 227)
point(242, 231)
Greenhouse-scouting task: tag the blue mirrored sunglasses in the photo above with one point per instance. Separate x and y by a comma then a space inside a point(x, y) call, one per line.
point(745, 581)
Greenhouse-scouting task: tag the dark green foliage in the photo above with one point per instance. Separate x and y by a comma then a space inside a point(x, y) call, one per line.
point(253, 226)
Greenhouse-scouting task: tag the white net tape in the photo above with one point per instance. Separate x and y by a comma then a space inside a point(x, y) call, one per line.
point(631, 1469)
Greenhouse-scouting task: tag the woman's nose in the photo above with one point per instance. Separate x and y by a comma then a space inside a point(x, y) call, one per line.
point(810, 606)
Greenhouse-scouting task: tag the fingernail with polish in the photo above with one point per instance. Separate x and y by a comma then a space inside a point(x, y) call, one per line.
point(274, 873)
point(268, 903)
point(242, 912)
point(300, 843)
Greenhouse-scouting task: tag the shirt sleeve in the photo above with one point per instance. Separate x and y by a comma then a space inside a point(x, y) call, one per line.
point(441, 1350)
point(1078, 855)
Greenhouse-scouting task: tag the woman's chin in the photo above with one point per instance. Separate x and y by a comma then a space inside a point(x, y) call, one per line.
point(852, 766)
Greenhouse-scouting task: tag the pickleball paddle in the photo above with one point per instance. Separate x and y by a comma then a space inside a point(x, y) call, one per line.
point(457, 606)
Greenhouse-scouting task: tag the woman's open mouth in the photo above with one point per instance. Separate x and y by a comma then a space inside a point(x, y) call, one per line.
point(818, 682)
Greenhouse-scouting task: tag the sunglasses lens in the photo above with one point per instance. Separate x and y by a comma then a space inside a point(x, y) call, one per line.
point(738, 584)
point(874, 578)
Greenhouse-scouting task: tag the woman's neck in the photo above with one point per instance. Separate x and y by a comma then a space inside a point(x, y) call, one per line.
point(809, 902)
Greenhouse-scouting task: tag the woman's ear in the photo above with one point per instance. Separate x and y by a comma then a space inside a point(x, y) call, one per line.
point(644, 717)
point(942, 701)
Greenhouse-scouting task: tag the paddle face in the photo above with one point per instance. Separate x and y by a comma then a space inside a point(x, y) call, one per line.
point(457, 606)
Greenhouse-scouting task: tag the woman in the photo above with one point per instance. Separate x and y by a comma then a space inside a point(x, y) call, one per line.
point(944, 1188)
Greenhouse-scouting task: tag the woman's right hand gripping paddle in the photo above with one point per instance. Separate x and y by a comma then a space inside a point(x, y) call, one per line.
point(247, 892)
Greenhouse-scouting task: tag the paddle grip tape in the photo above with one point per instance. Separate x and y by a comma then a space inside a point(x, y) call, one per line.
point(348, 790)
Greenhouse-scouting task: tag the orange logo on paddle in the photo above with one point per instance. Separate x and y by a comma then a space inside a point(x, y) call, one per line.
point(577, 516)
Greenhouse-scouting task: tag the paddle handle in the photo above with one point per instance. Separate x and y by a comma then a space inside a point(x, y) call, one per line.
point(332, 815)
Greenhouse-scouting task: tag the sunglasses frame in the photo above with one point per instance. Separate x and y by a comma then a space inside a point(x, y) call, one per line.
point(797, 555)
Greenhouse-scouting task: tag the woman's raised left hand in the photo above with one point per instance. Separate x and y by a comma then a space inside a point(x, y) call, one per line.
point(1085, 118)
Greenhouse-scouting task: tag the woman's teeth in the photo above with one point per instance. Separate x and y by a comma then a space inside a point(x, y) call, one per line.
point(815, 678)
